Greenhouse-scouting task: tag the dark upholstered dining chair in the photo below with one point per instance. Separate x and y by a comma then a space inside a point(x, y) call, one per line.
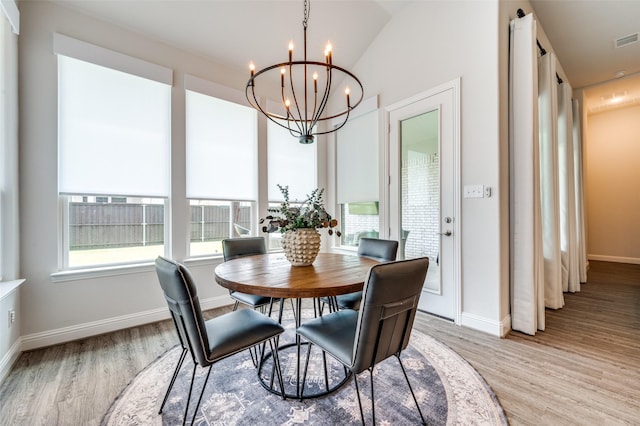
point(373, 248)
point(238, 247)
point(361, 339)
point(215, 339)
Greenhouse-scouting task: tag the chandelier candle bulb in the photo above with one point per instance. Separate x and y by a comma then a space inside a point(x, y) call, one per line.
point(315, 82)
point(290, 51)
point(283, 70)
point(252, 68)
point(346, 92)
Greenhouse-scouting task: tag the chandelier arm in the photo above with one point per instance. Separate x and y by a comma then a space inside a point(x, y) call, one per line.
point(301, 126)
point(325, 96)
point(290, 117)
point(335, 128)
point(273, 117)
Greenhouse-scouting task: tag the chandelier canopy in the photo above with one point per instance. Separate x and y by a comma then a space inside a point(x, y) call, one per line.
point(306, 88)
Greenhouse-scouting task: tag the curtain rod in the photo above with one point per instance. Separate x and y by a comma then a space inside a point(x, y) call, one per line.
point(543, 51)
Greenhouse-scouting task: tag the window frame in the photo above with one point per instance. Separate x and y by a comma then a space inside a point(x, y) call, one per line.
point(116, 61)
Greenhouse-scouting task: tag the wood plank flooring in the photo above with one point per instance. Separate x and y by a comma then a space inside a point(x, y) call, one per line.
point(584, 369)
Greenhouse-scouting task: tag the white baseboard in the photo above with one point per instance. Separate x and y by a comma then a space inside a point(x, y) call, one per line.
point(9, 359)
point(94, 328)
point(476, 322)
point(617, 259)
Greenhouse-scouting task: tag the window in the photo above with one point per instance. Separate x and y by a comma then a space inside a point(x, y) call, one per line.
point(357, 178)
point(291, 164)
point(9, 248)
point(103, 232)
point(222, 165)
point(115, 108)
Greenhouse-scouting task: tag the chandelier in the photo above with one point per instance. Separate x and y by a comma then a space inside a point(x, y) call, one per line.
point(305, 90)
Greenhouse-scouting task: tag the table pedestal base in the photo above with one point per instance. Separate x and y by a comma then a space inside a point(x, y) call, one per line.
point(325, 375)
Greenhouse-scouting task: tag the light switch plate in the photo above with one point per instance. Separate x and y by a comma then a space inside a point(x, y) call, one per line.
point(473, 191)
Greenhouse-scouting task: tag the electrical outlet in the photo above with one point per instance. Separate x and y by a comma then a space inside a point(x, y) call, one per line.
point(12, 317)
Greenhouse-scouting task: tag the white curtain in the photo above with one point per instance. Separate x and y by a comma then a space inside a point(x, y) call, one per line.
point(566, 174)
point(549, 185)
point(527, 276)
point(548, 251)
point(577, 156)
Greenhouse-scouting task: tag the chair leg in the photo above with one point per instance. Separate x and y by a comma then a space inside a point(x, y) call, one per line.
point(306, 367)
point(373, 399)
point(186, 407)
point(253, 351)
point(326, 373)
point(276, 364)
point(204, 385)
point(173, 379)
point(355, 379)
point(411, 389)
point(235, 305)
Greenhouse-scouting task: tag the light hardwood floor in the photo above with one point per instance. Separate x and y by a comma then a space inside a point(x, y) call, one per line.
point(584, 369)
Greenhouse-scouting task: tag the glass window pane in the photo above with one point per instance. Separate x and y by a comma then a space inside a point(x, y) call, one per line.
point(359, 220)
point(104, 232)
point(213, 221)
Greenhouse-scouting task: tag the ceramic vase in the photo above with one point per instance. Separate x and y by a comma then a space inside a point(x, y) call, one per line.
point(301, 246)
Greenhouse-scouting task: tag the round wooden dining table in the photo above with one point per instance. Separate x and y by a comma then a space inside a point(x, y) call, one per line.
point(272, 275)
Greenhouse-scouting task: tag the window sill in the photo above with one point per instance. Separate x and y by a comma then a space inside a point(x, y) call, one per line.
point(98, 272)
point(8, 287)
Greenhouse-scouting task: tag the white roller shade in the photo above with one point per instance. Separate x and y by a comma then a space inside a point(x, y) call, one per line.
point(113, 131)
point(290, 163)
point(357, 159)
point(221, 149)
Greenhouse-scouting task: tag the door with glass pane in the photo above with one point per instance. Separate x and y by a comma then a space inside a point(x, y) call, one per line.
point(423, 194)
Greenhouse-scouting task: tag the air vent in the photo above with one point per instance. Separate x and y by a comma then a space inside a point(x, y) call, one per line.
point(626, 40)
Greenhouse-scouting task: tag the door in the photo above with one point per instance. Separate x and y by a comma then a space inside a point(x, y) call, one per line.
point(424, 208)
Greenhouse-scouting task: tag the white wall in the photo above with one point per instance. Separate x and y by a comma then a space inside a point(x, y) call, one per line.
point(425, 45)
point(612, 180)
point(55, 312)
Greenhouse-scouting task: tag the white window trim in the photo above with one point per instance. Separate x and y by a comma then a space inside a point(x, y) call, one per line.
point(71, 47)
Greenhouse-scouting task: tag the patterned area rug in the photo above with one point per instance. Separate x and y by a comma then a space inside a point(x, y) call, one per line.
point(448, 389)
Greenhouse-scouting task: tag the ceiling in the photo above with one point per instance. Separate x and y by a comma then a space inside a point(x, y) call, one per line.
point(582, 33)
point(235, 32)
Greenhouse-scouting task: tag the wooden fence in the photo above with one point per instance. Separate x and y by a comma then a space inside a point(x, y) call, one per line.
point(100, 225)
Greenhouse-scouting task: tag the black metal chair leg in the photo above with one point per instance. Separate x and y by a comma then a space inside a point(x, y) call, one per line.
point(186, 407)
point(173, 379)
point(424, 422)
point(373, 398)
point(204, 385)
point(306, 367)
point(326, 373)
point(235, 305)
point(276, 364)
point(355, 379)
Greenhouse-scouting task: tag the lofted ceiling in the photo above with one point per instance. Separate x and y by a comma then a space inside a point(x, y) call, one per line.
point(235, 32)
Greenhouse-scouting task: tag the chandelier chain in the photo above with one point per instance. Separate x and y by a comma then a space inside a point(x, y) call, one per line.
point(307, 9)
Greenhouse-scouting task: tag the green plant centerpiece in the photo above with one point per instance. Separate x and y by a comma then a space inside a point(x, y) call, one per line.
point(299, 225)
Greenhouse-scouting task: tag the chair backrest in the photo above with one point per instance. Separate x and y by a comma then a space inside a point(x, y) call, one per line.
point(388, 308)
point(238, 247)
point(377, 249)
point(182, 297)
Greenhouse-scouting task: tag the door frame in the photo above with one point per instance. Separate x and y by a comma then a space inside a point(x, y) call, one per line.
point(454, 86)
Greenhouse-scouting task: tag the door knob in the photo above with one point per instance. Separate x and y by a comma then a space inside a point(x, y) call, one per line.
point(447, 233)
